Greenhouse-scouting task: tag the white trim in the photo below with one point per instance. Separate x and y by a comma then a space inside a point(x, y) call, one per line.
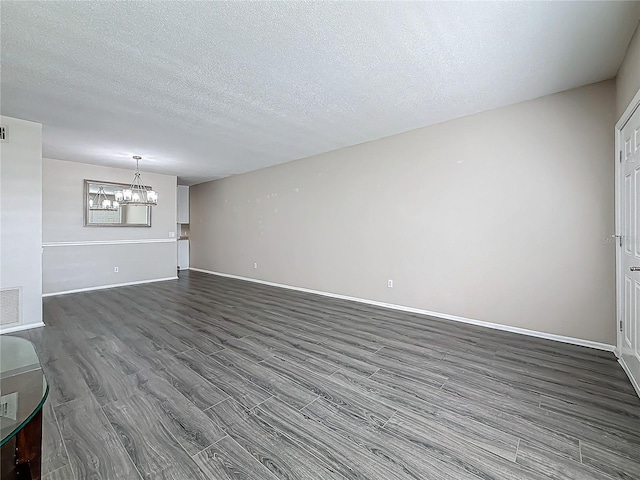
point(626, 369)
point(618, 231)
point(19, 328)
point(628, 112)
point(455, 318)
point(108, 242)
point(113, 285)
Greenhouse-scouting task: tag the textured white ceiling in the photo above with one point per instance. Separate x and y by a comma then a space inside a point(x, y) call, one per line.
point(204, 90)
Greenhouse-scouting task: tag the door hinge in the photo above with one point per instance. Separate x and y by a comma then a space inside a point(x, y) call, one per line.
point(620, 325)
point(619, 237)
point(620, 156)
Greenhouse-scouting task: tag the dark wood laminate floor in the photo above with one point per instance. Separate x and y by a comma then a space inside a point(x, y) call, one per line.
point(212, 378)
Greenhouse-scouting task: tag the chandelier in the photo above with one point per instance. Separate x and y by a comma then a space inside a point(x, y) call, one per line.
point(137, 193)
point(100, 201)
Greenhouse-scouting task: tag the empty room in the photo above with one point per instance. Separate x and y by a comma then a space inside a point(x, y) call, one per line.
point(313, 240)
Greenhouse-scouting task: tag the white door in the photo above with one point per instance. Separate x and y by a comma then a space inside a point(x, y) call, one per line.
point(628, 199)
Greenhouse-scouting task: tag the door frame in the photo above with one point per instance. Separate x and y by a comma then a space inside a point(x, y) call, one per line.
point(624, 118)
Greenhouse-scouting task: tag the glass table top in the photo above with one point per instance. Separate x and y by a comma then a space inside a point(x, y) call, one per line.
point(23, 388)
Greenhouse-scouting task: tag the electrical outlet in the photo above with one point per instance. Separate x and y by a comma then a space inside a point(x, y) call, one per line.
point(390, 283)
point(255, 265)
point(172, 234)
point(116, 269)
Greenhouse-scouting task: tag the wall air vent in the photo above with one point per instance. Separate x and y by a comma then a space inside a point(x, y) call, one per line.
point(4, 134)
point(10, 306)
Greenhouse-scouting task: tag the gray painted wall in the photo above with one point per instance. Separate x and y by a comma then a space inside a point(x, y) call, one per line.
point(75, 267)
point(502, 216)
point(628, 80)
point(21, 213)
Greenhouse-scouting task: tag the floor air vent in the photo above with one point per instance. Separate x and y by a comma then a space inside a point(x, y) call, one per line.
point(10, 306)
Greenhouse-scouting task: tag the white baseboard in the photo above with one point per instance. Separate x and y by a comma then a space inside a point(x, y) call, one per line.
point(19, 328)
point(496, 326)
point(626, 369)
point(113, 285)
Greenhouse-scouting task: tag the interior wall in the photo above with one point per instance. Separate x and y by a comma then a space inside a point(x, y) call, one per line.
point(628, 79)
point(78, 257)
point(21, 213)
point(502, 216)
